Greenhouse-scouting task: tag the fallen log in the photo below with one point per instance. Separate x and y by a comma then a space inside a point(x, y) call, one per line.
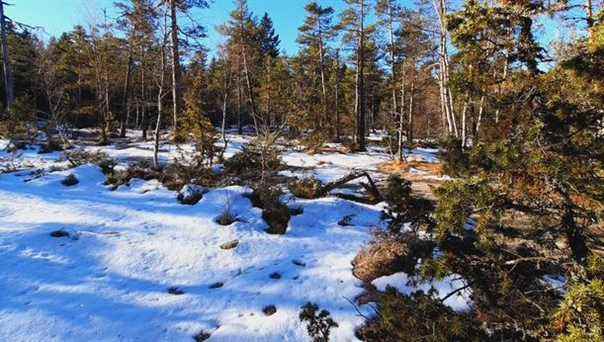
point(370, 186)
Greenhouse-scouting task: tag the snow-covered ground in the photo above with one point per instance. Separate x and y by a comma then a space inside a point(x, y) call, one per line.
point(108, 280)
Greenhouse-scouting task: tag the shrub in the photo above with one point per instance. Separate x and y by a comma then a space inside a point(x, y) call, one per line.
point(307, 188)
point(275, 213)
point(403, 207)
point(249, 164)
point(175, 176)
point(580, 316)
point(455, 160)
point(70, 180)
point(256, 159)
point(16, 124)
point(264, 194)
point(82, 157)
point(52, 144)
point(181, 173)
point(318, 324)
point(226, 218)
point(418, 317)
point(277, 217)
point(456, 202)
point(204, 137)
point(269, 310)
point(595, 267)
point(314, 142)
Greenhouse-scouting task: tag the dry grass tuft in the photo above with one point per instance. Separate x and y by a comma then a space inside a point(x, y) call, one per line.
point(389, 254)
point(402, 167)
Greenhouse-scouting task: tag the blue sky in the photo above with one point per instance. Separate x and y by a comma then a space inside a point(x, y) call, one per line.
point(58, 16)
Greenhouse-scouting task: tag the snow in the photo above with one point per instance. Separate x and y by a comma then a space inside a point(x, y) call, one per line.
point(459, 302)
point(108, 280)
point(556, 282)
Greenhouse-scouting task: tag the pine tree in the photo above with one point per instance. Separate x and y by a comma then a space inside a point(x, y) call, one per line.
point(315, 35)
point(269, 53)
point(193, 31)
point(356, 31)
point(240, 30)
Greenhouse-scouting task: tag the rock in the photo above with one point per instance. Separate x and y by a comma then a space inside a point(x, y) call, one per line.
point(62, 233)
point(191, 194)
point(70, 180)
point(175, 291)
point(346, 221)
point(275, 275)
point(230, 245)
point(59, 233)
point(201, 336)
point(216, 285)
point(299, 263)
point(269, 310)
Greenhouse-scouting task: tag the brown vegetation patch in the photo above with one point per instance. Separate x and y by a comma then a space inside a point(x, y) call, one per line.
point(388, 254)
point(405, 167)
point(421, 184)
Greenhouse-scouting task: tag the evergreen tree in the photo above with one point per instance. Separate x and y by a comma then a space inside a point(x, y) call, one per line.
point(354, 22)
point(315, 35)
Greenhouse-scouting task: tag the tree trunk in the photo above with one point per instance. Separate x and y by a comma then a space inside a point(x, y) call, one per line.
point(224, 114)
point(269, 85)
point(360, 84)
point(392, 59)
point(401, 119)
point(143, 101)
point(126, 98)
point(478, 120)
point(445, 91)
point(225, 99)
point(250, 90)
point(463, 122)
point(9, 83)
point(410, 118)
point(176, 94)
point(337, 97)
point(590, 15)
point(160, 95)
point(239, 102)
point(323, 86)
point(137, 119)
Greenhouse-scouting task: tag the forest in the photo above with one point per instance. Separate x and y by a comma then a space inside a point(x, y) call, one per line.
point(414, 171)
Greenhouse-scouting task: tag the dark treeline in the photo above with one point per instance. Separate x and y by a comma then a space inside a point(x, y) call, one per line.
point(349, 77)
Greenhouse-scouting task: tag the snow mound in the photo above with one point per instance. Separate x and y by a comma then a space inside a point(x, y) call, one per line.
point(461, 301)
point(87, 175)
